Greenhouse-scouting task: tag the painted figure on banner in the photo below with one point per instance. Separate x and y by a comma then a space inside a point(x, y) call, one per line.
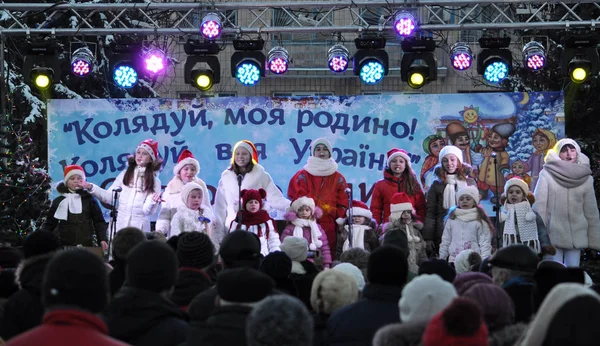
point(496, 161)
point(542, 141)
point(432, 146)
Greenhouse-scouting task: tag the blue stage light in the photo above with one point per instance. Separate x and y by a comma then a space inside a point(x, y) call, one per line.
point(496, 71)
point(372, 71)
point(125, 76)
point(248, 72)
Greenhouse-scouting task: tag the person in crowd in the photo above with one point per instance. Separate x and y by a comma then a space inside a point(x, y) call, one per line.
point(303, 271)
point(125, 240)
point(10, 257)
point(185, 171)
point(278, 266)
point(353, 271)
point(226, 325)
point(440, 267)
point(548, 275)
point(139, 185)
point(467, 261)
point(452, 175)
point(512, 269)
point(244, 173)
point(542, 141)
point(519, 223)
point(24, 309)
point(568, 316)
point(74, 292)
point(195, 254)
point(358, 257)
point(357, 323)
point(238, 249)
point(192, 215)
point(566, 201)
point(75, 215)
point(364, 229)
point(302, 219)
point(256, 220)
point(141, 313)
point(464, 281)
point(422, 298)
point(279, 320)
point(467, 227)
point(460, 323)
point(402, 218)
point(398, 176)
point(321, 181)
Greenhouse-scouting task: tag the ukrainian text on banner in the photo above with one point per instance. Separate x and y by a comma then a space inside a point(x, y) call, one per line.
point(100, 134)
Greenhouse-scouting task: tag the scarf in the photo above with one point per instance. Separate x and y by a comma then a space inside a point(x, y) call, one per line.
point(410, 234)
point(251, 221)
point(358, 236)
point(138, 178)
point(568, 174)
point(71, 203)
point(315, 233)
point(452, 185)
point(520, 222)
point(321, 167)
point(466, 215)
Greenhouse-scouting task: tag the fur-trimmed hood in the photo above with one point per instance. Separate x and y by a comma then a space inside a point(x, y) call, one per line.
point(398, 224)
point(30, 272)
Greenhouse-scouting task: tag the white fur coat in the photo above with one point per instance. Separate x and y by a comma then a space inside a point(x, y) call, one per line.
point(186, 220)
point(462, 235)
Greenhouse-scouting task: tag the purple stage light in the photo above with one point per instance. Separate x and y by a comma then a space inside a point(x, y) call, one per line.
point(154, 61)
point(405, 24)
point(211, 26)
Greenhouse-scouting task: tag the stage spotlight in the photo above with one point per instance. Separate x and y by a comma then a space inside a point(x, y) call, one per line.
point(125, 75)
point(125, 63)
point(211, 26)
point(418, 65)
point(279, 60)
point(338, 58)
point(405, 24)
point(371, 61)
point(494, 61)
point(461, 56)
point(155, 61)
point(42, 77)
point(202, 68)
point(579, 60)
point(248, 63)
point(82, 62)
point(41, 66)
point(534, 56)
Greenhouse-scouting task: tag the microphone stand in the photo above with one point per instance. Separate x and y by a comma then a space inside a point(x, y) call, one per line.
point(497, 202)
point(350, 218)
point(113, 217)
point(238, 217)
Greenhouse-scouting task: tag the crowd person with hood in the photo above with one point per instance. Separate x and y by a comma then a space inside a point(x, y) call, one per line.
point(439, 267)
point(74, 293)
point(565, 199)
point(278, 266)
point(548, 275)
point(303, 271)
point(125, 240)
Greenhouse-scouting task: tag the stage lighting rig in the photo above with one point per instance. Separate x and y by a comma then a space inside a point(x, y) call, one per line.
point(534, 56)
point(278, 60)
point(461, 56)
point(579, 60)
point(405, 24)
point(418, 66)
point(494, 61)
point(248, 62)
point(41, 66)
point(82, 62)
point(202, 68)
point(338, 58)
point(371, 61)
point(211, 26)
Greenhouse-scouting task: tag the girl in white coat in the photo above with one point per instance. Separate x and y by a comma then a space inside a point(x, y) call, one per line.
point(140, 195)
point(191, 216)
point(245, 169)
point(467, 227)
point(185, 172)
point(566, 201)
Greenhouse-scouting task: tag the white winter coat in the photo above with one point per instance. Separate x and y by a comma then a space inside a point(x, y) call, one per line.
point(227, 197)
point(565, 199)
point(186, 220)
point(135, 206)
point(266, 245)
point(465, 232)
point(172, 201)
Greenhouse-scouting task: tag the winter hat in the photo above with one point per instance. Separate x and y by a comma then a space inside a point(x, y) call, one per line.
point(248, 146)
point(468, 190)
point(125, 240)
point(71, 170)
point(467, 261)
point(240, 248)
point(504, 130)
point(353, 271)
point(439, 267)
point(296, 248)
point(303, 201)
point(497, 306)
point(396, 238)
point(455, 129)
point(516, 257)
point(186, 158)
point(360, 209)
point(250, 194)
point(195, 250)
point(400, 202)
point(357, 256)
point(187, 189)
point(427, 141)
point(151, 147)
point(450, 149)
point(393, 153)
point(387, 266)
point(152, 266)
point(548, 134)
point(332, 290)
point(464, 281)
point(323, 141)
point(517, 182)
point(277, 265)
point(548, 275)
point(40, 243)
point(76, 277)
point(424, 297)
point(459, 324)
point(561, 143)
point(244, 285)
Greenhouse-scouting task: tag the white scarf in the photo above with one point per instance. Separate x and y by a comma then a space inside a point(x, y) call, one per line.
point(466, 215)
point(70, 203)
point(519, 219)
point(321, 167)
point(138, 178)
point(452, 186)
point(410, 234)
point(315, 233)
point(358, 236)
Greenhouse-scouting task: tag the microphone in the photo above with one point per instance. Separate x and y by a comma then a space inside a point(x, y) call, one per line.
point(348, 190)
point(118, 189)
point(239, 178)
point(493, 154)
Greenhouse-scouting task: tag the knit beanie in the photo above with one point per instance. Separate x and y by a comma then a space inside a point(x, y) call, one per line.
point(470, 191)
point(423, 297)
point(396, 238)
point(467, 280)
point(561, 143)
point(459, 324)
point(318, 141)
point(467, 261)
point(151, 266)
point(548, 275)
point(295, 247)
point(250, 194)
point(71, 170)
point(187, 189)
point(439, 267)
point(76, 277)
point(239, 248)
point(497, 306)
point(393, 153)
point(195, 250)
point(277, 265)
point(388, 266)
point(354, 272)
point(40, 243)
point(249, 146)
point(186, 158)
point(516, 257)
point(450, 149)
point(244, 285)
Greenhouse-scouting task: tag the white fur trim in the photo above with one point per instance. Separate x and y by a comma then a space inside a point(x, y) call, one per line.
point(187, 161)
point(450, 149)
point(400, 207)
point(72, 173)
point(360, 212)
point(401, 154)
point(303, 201)
point(242, 144)
point(516, 182)
point(323, 141)
point(148, 150)
point(340, 220)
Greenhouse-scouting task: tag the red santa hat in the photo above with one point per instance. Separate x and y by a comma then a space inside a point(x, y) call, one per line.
point(400, 203)
point(323, 141)
point(303, 201)
point(395, 152)
point(72, 170)
point(248, 146)
point(360, 209)
point(151, 147)
point(250, 194)
point(186, 158)
point(450, 149)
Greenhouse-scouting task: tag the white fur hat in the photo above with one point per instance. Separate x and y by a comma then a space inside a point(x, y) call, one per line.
point(303, 201)
point(295, 247)
point(516, 182)
point(353, 271)
point(450, 149)
point(461, 262)
point(318, 141)
point(468, 190)
point(425, 296)
point(187, 188)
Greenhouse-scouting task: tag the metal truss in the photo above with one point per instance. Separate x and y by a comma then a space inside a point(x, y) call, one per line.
point(358, 16)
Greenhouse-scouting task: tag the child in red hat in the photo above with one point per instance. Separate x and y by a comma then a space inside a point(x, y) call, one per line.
point(364, 228)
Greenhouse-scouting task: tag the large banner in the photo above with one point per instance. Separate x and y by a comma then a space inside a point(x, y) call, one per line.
point(100, 134)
